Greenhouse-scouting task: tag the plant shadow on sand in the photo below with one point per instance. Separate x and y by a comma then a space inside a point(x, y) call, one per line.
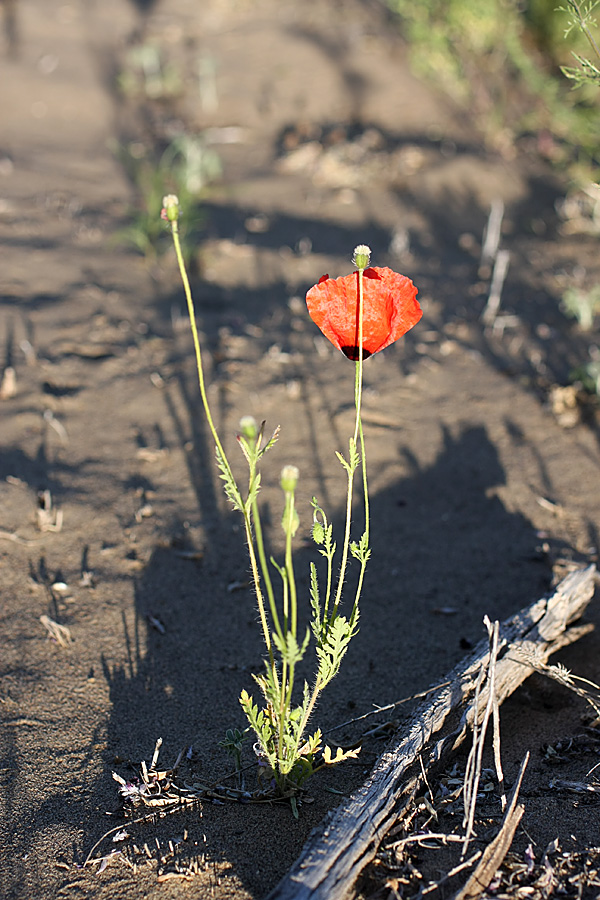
point(183, 684)
point(447, 550)
point(457, 454)
point(441, 534)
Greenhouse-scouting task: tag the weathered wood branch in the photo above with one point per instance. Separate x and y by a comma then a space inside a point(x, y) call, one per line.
point(349, 837)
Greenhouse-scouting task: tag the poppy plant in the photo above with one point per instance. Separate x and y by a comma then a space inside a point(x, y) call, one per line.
point(389, 309)
point(360, 314)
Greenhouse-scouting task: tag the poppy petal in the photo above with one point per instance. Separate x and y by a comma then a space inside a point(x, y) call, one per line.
point(390, 309)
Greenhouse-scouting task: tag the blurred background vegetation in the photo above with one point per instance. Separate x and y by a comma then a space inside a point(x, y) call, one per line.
point(504, 60)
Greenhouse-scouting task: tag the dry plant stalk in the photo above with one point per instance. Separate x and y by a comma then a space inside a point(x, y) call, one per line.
point(494, 853)
point(572, 682)
point(474, 761)
point(59, 633)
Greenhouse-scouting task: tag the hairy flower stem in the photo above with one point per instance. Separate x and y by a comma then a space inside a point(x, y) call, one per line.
point(260, 545)
point(221, 452)
point(290, 613)
point(291, 581)
point(289, 568)
point(259, 596)
point(307, 714)
point(358, 438)
point(358, 433)
point(363, 564)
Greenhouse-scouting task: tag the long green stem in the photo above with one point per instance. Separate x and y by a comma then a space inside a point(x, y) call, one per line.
point(259, 596)
point(192, 314)
point(289, 568)
point(291, 580)
point(282, 718)
point(308, 712)
point(363, 455)
point(363, 565)
point(328, 587)
point(248, 526)
point(260, 546)
point(290, 612)
point(357, 430)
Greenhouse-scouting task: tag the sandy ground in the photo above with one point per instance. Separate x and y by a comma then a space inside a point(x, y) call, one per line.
point(477, 489)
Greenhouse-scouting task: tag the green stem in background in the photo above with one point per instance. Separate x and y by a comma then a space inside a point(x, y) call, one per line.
point(252, 529)
point(328, 587)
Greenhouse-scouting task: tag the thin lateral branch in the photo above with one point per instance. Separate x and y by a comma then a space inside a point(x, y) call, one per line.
point(349, 837)
point(426, 836)
point(381, 709)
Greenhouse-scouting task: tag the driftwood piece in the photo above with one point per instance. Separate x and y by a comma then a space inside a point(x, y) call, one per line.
point(349, 837)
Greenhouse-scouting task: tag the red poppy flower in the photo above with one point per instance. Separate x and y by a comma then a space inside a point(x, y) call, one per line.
point(389, 309)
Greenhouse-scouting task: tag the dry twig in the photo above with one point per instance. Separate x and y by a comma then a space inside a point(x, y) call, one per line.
point(494, 853)
point(59, 633)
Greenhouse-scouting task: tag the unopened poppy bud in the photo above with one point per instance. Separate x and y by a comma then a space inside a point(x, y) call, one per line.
point(289, 478)
point(361, 256)
point(170, 210)
point(248, 427)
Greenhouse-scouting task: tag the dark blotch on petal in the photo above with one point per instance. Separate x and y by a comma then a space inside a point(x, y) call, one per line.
point(352, 353)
